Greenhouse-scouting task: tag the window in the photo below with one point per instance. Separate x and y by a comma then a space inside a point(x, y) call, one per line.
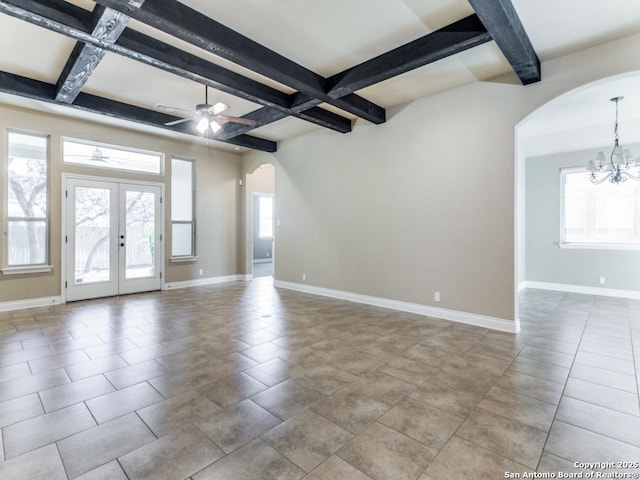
point(266, 217)
point(108, 156)
point(27, 223)
point(599, 215)
point(182, 208)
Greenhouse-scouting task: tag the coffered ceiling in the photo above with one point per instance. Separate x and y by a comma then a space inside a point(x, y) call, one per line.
point(289, 65)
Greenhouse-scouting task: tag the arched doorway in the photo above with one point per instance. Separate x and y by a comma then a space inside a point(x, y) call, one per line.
point(260, 224)
point(563, 134)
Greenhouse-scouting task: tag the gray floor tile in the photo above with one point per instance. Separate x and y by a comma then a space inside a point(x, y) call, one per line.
point(383, 453)
point(576, 444)
point(611, 423)
point(447, 397)
point(19, 409)
point(420, 421)
point(307, 439)
point(118, 403)
point(39, 431)
point(109, 471)
point(106, 442)
point(336, 468)
point(177, 455)
point(175, 412)
point(254, 460)
point(518, 407)
point(287, 398)
point(232, 389)
point(461, 459)
point(506, 437)
point(607, 397)
point(70, 393)
point(237, 425)
point(41, 464)
point(351, 410)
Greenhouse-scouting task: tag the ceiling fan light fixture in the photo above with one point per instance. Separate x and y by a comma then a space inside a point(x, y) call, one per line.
point(215, 126)
point(219, 108)
point(203, 125)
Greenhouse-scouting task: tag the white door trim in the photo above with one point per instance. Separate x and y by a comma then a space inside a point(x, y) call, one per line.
point(63, 219)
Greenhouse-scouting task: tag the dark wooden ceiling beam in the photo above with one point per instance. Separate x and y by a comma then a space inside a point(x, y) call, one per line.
point(450, 40)
point(178, 20)
point(108, 24)
point(45, 92)
point(501, 20)
point(72, 21)
point(148, 50)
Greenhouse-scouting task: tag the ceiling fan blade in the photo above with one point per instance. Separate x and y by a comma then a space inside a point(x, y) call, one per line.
point(218, 108)
point(176, 122)
point(167, 108)
point(244, 121)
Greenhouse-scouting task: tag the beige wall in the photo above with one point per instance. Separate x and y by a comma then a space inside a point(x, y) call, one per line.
point(425, 202)
point(217, 202)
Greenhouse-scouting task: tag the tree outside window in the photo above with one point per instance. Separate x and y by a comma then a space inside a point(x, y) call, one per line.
point(27, 221)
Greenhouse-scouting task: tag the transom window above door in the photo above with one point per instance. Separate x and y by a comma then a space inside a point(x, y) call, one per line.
point(101, 155)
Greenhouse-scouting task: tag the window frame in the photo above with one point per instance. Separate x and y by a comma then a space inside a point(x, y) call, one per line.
point(161, 156)
point(45, 266)
point(563, 243)
point(193, 256)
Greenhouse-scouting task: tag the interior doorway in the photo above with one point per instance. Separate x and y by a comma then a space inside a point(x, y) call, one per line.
point(112, 237)
point(261, 222)
point(558, 138)
point(262, 258)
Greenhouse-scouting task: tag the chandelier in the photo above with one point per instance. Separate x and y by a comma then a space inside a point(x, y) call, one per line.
point(618, 167)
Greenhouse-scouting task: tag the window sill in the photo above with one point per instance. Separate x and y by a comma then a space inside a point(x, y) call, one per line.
point(185, 259)
point(598, 246)
point(22, 270)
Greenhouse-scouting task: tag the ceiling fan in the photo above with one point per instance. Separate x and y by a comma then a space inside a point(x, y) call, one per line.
point(95, 156)
point(206, 115)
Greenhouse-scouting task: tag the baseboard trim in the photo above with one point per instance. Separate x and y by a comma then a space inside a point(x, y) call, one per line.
point(603, 292)
point(30, 303)
point(199, 282)
point(452, 315)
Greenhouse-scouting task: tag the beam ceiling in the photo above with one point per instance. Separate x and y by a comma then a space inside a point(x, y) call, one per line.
point(105, 30)
point(45, 92)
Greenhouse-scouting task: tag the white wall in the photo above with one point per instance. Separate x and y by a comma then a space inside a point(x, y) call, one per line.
point(426, 201)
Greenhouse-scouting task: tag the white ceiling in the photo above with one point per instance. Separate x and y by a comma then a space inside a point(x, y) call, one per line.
point(326, 37)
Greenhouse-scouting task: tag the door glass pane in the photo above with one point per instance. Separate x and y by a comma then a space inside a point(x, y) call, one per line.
point(181, 239)
point(140, 234)
point(92, 253)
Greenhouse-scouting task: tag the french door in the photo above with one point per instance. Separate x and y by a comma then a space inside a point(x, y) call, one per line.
point(113, 234)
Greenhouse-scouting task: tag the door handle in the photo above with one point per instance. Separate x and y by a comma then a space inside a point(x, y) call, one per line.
point(122, 244)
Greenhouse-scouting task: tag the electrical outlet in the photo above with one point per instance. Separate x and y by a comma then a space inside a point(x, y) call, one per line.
point(201, 272)
point(436, 296)
point(304, 277)
point(602, 280)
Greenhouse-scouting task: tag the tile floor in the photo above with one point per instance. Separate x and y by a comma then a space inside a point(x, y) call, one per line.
point(243, 381)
